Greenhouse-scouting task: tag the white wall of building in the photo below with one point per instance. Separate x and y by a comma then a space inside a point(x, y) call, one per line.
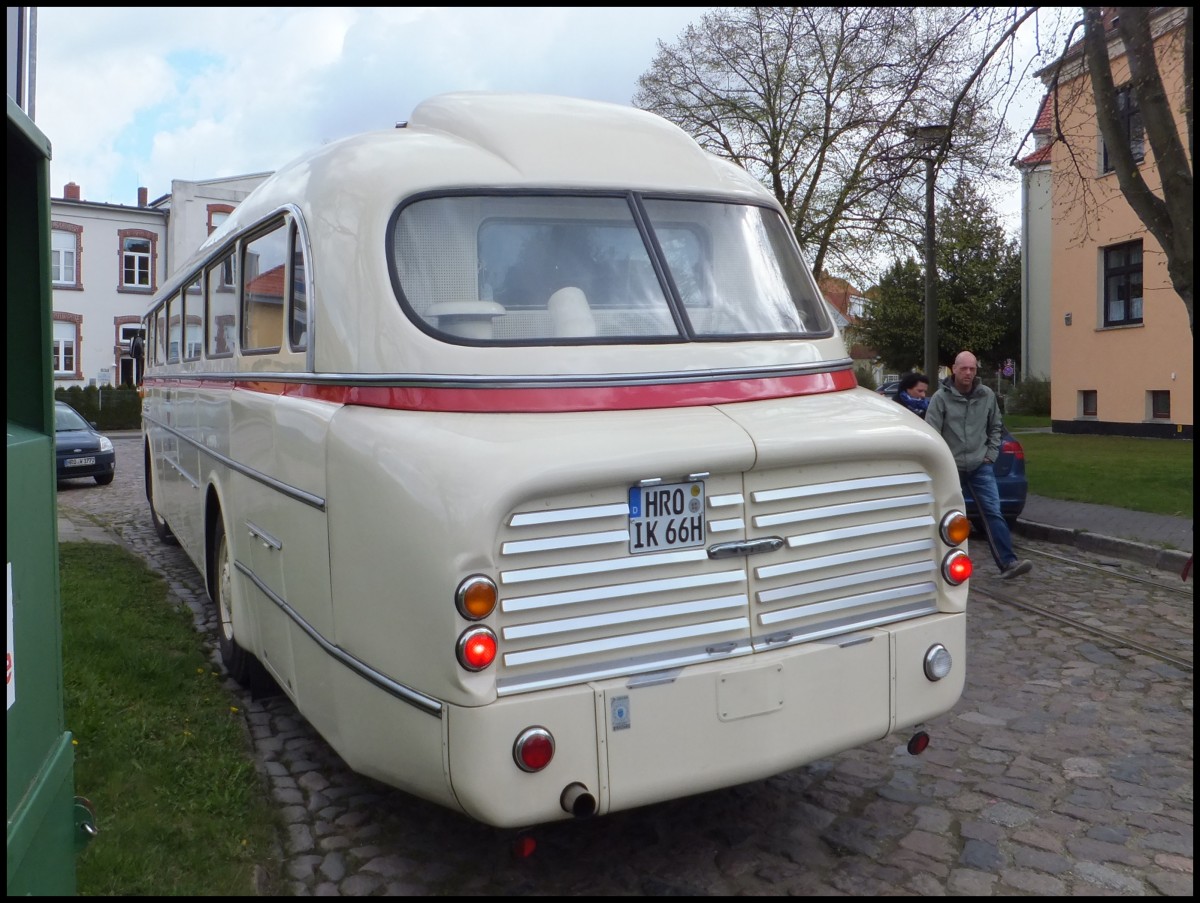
point(94, 308)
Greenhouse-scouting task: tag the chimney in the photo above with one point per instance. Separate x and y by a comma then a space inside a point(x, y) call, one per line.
point(71, 192)
point(142, 196)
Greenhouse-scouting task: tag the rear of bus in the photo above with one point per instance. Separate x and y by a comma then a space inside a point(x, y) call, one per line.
point(602, 485)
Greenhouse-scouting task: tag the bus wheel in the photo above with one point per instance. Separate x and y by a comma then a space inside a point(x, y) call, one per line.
point(237, 661)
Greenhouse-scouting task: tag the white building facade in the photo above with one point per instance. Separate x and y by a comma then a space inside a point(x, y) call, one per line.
point(108, 260)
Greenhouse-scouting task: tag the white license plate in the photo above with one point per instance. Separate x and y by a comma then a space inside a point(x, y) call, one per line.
point(79, 462)
point(667, 516)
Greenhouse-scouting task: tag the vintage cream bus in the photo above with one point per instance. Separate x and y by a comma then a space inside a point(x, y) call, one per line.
point(517, 444)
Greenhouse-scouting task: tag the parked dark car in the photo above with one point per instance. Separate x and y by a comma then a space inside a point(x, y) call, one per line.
point(1010, 480)
point(889, 388)
point(81, 451)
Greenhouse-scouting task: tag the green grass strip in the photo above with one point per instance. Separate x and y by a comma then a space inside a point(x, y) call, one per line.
point(1153, 475)
point(161, 749)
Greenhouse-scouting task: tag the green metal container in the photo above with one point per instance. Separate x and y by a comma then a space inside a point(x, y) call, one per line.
point(44, 828)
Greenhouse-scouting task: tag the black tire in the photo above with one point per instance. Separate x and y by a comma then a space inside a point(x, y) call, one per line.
point(103, 479)
point(160, 525)
point(237, 661)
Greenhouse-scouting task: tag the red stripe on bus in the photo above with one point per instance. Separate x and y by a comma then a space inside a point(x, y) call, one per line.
point(542, 399)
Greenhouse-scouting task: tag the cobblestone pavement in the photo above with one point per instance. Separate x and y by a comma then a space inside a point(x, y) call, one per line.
point(1066, 769)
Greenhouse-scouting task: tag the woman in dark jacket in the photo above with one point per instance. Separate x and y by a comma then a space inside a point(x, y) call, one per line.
point(913, 393)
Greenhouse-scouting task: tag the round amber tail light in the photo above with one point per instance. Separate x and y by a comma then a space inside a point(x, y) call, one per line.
point(475, 597)
point(955, 528)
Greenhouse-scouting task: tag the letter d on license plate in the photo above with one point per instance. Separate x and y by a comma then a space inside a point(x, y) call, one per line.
point(667, 516)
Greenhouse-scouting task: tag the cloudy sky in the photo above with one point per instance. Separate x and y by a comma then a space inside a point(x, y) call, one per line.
point(134, 97)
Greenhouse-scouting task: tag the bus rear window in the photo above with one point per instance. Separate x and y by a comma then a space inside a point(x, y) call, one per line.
point(571, 269)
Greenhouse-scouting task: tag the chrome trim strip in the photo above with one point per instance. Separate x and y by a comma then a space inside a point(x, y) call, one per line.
point(654, 679)
point(769, 596)
point(723, 501)
point(299, 495)
point(405, 694)
point(602, 566)
point(617, 618)
point(846, 602)
point(807, 514)
point(619, 590)
point(855, 622)
point(583, 673)
point(724, 526)
point(530, 381)
point(812, 564)
point(574, 541)
point(561, 515)
point(795, 492)
point(257, 532)
point(608, 644)
point(863, 530)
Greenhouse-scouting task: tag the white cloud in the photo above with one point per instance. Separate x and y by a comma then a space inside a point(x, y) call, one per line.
point(134, 97)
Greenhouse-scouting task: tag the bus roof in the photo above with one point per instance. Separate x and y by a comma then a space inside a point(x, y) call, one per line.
point(491, 140)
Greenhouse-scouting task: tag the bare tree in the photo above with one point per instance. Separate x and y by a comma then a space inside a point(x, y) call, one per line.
point(819, 103)
point(1167, 214)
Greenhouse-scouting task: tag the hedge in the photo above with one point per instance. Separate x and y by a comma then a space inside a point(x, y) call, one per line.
point(110, 408)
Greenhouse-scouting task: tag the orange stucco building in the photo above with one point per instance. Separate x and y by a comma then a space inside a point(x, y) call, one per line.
point(1120, 339)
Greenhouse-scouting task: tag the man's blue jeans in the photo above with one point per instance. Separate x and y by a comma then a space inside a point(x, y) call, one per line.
point(982, 482)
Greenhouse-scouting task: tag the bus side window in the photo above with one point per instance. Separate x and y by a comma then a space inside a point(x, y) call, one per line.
point(174, 328)
point(264, 265)
point(160, 334)
point(298, 317)
point(221, 309)
point(193, 328)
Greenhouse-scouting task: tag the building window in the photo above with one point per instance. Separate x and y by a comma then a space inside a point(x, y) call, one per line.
point(1087, 403)
point(1130, 119)
point(1160, 405)
point(65, 240)
point(138, 249)
point(217, 214)
point(1123, 284)
point(64, 351)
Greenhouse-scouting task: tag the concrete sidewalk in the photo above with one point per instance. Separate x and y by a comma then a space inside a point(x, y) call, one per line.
point(1157, 540)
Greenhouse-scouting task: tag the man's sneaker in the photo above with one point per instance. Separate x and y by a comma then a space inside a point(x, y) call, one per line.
point(1016, 569)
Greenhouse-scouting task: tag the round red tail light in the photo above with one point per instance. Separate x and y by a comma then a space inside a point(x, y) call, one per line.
point(476, 648)
point(956, 567)
point(533, 749)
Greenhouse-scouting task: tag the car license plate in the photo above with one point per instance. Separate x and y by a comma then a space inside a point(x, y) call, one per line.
point(666, 516)
point(79, 462)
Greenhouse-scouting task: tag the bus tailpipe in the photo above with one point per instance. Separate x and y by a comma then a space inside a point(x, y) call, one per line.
point(578, 800)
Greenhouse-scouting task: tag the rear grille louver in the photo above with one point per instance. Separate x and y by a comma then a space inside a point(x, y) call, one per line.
point(576, 606)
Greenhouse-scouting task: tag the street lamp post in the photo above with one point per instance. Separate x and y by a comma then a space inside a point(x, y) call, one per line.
point(930, 137)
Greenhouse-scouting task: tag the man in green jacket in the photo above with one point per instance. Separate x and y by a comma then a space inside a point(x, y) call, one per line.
point(965, 412)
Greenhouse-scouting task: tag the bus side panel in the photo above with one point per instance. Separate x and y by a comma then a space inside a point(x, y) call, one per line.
point(387, 739)
point(188, 525)
point(301, 429)
point(256, 505)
